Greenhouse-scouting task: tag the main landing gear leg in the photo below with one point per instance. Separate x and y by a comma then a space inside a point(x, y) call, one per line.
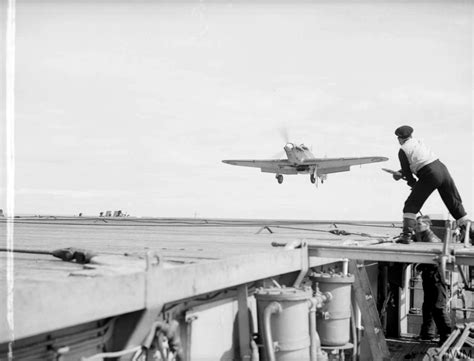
point(279, 178)
point(312, 178)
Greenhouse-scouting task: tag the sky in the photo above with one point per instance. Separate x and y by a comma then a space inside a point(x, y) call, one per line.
point(132, 105)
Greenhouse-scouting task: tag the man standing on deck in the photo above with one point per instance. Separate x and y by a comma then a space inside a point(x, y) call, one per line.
point(435, 293)
point(417, 159)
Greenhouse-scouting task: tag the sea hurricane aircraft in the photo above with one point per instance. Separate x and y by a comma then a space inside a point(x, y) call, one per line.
point(301, 160)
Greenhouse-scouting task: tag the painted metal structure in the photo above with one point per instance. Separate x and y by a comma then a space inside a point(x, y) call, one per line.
point(283, 312)
point(132, 289)
point(333, 322)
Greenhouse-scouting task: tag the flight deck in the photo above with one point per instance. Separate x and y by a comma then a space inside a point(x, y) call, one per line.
point(141, 266)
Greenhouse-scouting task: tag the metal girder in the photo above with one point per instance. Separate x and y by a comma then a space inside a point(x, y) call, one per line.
point(414, 253)
point(363, 253)
point(464, 256)
point(244, 324)
point(176, 283)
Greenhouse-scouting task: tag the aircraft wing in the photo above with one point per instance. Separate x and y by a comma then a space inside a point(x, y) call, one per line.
point(263, 163)
point(334, 165)
point(322, 165)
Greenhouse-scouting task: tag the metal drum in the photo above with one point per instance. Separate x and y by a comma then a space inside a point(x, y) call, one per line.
point(333, 319)
point(284, 323)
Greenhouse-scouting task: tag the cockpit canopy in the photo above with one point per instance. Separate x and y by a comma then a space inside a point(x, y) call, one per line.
point(301, 147)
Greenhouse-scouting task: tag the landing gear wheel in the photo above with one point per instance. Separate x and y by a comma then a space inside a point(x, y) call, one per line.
point(279, 178)
point(312, 178)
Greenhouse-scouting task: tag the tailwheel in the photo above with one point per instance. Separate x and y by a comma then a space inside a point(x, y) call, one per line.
point(279, 178)
point(312, 178)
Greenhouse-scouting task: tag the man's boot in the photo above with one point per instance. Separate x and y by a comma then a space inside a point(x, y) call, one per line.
point(408, 231)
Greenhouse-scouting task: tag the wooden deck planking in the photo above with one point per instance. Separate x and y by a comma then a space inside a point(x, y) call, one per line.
point(186, 238)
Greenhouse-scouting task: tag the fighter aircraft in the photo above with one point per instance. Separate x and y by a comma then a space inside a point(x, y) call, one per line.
point(301, 160)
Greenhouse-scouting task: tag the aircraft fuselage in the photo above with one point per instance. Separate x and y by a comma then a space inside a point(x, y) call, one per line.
point(297, 154)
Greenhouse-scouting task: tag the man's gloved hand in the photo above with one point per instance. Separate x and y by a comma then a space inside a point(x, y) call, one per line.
point(462, 224)
point(463, 221)
point(397, 176)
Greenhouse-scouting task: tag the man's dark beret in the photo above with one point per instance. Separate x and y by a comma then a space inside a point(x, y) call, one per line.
point(404, 131)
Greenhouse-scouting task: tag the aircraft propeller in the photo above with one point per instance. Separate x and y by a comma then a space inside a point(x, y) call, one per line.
point(286, 138)
point(284, 134)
